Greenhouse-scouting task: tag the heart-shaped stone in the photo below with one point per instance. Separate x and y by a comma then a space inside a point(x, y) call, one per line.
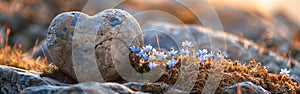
point(92, 38)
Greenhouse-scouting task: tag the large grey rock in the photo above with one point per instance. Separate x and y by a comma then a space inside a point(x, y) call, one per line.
point(14, 80)
point(111, 27)
point(82, 88)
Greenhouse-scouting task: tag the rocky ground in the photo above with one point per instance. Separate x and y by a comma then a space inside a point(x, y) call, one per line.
point(15, 81)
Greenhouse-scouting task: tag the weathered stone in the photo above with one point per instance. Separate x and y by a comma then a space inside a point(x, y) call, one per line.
point(14, 80)
point(111, 27)
point(245, 87)
point(82, 88)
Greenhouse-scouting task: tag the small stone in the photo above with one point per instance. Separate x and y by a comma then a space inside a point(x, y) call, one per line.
point(112, 27)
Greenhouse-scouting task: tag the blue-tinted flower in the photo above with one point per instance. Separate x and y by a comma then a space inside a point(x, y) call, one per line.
point(171, 63)
point(147, 48)
point(141, 53)
point(201, 53)
point(187, 44)
point(185, 52)
point(173, 53)
point(206, 56)
point(285, 72)
point(134, 49)
point(146, 57)
point(203, 59)
point(152, 56)
point(152, 65)
point(161, 55)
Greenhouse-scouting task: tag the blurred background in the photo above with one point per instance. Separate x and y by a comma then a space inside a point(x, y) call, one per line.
point(273, 24)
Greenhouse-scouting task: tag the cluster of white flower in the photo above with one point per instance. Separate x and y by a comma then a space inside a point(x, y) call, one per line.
point(148, 53)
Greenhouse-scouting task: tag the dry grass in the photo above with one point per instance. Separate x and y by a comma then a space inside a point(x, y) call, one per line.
point(12, 56)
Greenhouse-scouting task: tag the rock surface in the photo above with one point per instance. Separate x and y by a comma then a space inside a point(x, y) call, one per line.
point(159, 87)
point(82, 88)
point(108, 28)
point(14, 80)
point(96, 88)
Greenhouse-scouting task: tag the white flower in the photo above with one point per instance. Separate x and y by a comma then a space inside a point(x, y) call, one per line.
point(152, 65)
point(208, 56)
point(147, 48)
point(187, 44)
point(152, 57)
point(204, 51)
point(161, 55)
point(285, 72)
point(154, 51)
point(185, 52)
point(221, 55)
point(172, 53)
